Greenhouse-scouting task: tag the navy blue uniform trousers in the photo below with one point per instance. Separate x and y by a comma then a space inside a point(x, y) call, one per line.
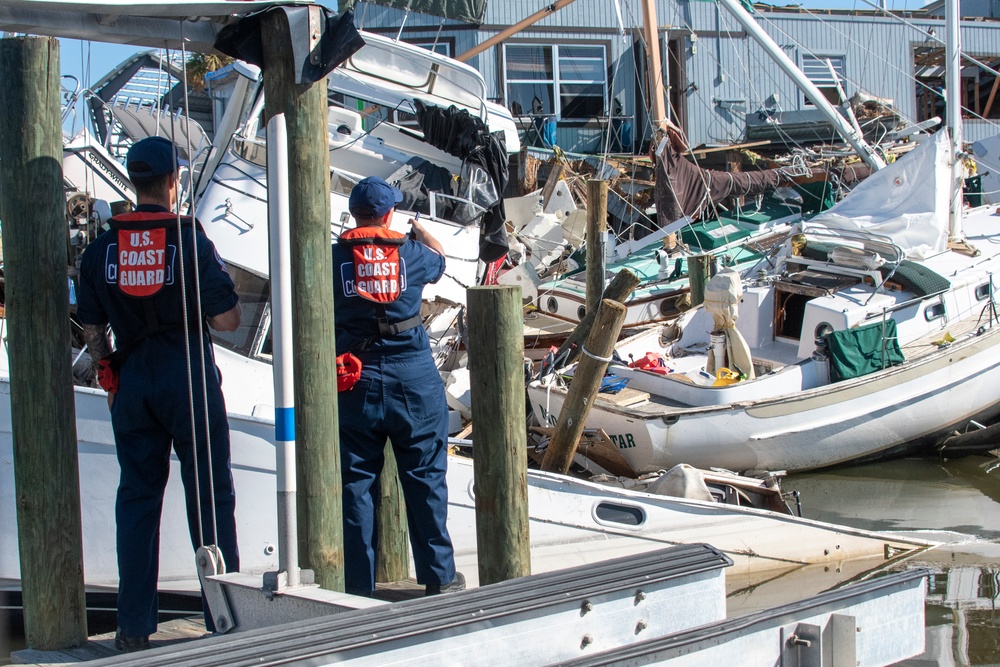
point(150, 412)
point(400, 397)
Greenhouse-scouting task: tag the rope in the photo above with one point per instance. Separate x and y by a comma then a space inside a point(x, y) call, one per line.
point(593, 356)
point(187, 343)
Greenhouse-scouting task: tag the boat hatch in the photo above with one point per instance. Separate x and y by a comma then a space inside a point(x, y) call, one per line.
point(793, 294)
point(618, 514)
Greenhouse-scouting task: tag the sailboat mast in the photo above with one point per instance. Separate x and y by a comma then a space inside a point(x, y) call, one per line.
point(852, 136)
point(953, 88)
point(658, 106)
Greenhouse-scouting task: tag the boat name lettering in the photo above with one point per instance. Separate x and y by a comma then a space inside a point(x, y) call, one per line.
point(99, 163)
point(625, 441)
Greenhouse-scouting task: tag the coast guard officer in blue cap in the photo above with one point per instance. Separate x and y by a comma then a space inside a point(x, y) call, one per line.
point(379, 276)
point(130, 277)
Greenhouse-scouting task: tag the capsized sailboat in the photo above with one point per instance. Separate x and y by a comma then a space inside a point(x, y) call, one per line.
point(870, 338)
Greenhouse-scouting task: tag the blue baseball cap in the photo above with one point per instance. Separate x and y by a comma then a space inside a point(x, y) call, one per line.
point(152, 156)
point(372, 198)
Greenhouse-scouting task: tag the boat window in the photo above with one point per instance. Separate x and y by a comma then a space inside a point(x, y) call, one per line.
point(567, 81)
point(935, 311)
point(581, 312)
point(622, 514)
point(254, 292)
point(983, 292)
point(551, 305)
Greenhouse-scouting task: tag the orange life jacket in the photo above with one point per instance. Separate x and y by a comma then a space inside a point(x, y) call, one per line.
point(378, 275)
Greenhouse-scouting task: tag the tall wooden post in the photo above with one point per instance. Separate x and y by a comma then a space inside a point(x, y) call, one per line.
point(46, 468)
point(496, 374)
point(586, 383)
point(392, 562)
point(657, 103)
point(597, 225)
point(320, 518)
point(699, 266)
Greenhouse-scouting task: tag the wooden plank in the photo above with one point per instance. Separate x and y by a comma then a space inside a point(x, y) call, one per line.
point(595, 445)
point(102, 646)
point(989, 100)
point(625, 397)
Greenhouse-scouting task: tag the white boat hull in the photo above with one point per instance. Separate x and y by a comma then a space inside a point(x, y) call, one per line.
point(570, 521)
point(903, 407)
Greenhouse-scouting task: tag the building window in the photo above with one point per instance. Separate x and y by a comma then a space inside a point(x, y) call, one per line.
point(566, 81)
point(441, 47)
point(817, 70)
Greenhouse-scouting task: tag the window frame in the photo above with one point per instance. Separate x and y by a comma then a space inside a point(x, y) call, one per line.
point(823, 82)
point(558, 81)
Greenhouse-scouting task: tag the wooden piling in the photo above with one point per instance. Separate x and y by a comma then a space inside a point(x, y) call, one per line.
point(699, 266)
point(43, 416)
point(496, 358)
point(320, 516)
point(583, 389)
point(619, 289)
point(392, 562)
point(597, 225)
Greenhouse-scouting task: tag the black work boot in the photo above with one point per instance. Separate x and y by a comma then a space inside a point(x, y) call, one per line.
point(130, 644)
point(457, 584)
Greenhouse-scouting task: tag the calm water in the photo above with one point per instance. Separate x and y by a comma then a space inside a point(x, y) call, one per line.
point(955, 501)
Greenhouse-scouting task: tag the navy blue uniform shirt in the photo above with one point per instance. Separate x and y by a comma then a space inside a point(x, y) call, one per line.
point(99, 300)
point(356, 318)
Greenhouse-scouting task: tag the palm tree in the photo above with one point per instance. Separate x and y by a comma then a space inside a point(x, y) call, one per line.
point(200, 64)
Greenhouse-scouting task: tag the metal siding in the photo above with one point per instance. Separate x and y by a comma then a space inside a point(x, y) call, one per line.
point(877, 55)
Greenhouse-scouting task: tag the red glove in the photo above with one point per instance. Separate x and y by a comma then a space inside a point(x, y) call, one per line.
point(348, 371)
point(107, 377)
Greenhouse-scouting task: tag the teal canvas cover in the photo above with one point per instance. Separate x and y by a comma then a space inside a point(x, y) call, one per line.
point(707, 236)
point(471, 11)
point(863, 350)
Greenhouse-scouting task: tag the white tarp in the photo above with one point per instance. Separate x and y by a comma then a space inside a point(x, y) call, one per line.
point(906, 201)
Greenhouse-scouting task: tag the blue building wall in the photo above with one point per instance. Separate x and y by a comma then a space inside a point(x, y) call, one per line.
point(723, 74)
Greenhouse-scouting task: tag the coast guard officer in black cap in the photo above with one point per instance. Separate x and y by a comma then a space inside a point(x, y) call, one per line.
point(130, 278)
point(379, 276)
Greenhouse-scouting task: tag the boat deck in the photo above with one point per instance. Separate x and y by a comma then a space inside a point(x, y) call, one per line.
point(926, 345)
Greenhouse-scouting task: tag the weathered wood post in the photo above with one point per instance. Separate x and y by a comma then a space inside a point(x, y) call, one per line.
point(597, 225)
point(392, 562)
point(619, 289)
point(320, 519)
point(586, 382)
point(699, 266)
point(43, 416)
point(496, 358)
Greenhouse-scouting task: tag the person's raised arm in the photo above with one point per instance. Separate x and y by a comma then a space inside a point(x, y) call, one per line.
point(421, 235)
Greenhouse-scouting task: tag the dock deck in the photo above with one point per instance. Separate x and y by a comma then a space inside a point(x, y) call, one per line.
point(173, 632)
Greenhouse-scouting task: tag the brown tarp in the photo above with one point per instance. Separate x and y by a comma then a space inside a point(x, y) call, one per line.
point(682, 188)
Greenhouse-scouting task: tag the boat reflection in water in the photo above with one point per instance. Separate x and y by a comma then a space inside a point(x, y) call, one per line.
point(956, 501)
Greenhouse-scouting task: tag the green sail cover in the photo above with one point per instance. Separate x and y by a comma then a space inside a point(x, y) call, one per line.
point(471, 11)
point(857, 352)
